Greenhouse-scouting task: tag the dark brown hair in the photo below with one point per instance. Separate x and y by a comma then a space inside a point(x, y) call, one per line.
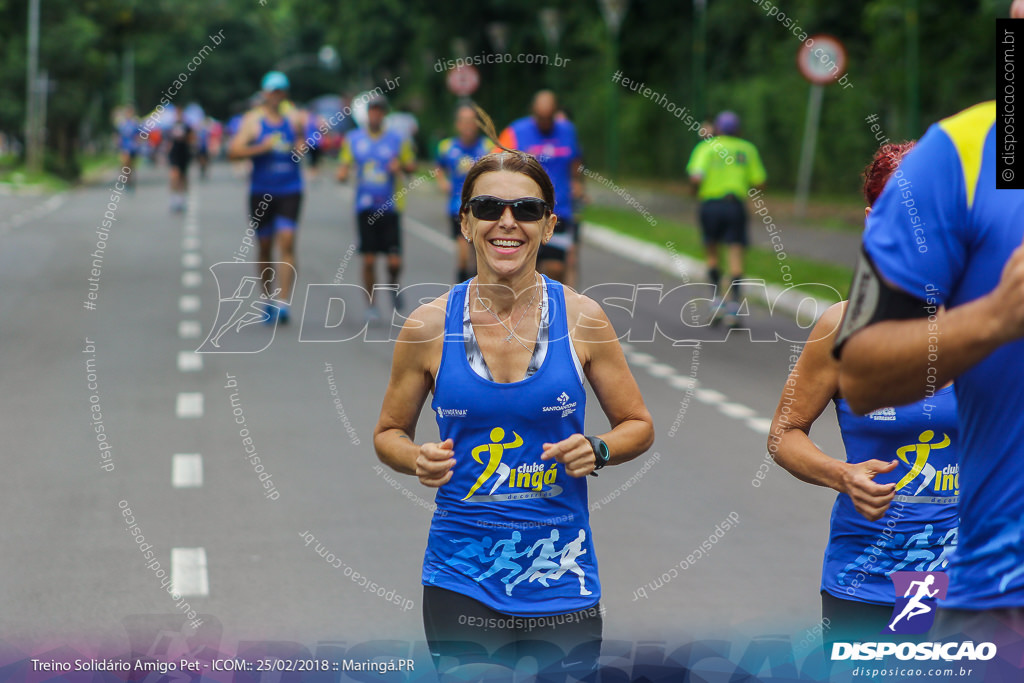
point(509, 160)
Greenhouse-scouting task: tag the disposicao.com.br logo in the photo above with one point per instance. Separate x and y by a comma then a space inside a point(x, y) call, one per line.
point(949, 652)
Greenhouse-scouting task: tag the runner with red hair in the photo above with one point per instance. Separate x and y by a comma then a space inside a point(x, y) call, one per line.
point(897, 503)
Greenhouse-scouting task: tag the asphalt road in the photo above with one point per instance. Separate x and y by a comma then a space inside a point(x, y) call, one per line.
point(71, 573)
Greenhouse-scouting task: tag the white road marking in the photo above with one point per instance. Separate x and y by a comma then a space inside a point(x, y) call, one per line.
point(661, 369)
point(188, 572)
point(191, 259)
point(761, 425)
point(188, 304)
point(186, 470)
point(736, 410)
point(640, 358)
point(710, 396)
point(190, 243)
point(189, 361)
point(683, 382)
point(189, 404)
point(189, 329)
point(191, 278)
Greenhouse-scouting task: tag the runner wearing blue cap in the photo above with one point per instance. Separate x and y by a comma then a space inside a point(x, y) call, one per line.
point(270, 136)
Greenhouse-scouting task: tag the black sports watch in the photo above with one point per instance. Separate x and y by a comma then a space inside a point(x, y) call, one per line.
point(601, 453)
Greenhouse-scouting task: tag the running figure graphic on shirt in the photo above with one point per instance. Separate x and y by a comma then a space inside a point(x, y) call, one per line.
point(495, 451)
point(570, 551)
point(505, 559)
point(541, 563)
point(475, 550)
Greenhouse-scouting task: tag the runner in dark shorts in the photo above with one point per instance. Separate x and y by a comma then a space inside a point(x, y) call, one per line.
point(270, 135)
point(723, 169)
point(379, 233)
point(723, 221)
point(181, 138)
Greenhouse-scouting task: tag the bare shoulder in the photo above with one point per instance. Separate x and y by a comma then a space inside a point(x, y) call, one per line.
point(587, 320)
point(827, 327)
point(426, 322)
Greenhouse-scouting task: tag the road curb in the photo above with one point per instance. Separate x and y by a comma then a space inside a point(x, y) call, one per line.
point(686, 268)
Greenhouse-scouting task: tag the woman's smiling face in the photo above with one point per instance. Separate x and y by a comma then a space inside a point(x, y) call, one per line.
point(507, 246)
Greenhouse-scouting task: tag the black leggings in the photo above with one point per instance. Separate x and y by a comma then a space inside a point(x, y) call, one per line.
point(463, 631)
point(853, 620)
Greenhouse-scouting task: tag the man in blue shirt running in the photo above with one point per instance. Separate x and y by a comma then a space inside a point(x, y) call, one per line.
point(939, 295)
point(378, 156)
point(548, 135)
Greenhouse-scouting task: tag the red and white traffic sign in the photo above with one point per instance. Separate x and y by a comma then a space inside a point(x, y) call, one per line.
point(463, 80)
point(822, 59)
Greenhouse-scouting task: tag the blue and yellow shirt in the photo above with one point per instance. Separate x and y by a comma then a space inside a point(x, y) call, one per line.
point(942, 232)
point(919, 530)
point(511, 530)
point(455, 159)
point(371, 155)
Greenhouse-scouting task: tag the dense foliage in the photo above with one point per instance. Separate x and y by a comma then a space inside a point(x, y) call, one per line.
point(750, 67)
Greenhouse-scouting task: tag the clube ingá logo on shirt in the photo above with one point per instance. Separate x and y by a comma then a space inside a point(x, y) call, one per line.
point(916, 455)
point(916, 596)
point(537, 480)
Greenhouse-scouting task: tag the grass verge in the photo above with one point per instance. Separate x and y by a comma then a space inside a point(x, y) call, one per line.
point(760, 262)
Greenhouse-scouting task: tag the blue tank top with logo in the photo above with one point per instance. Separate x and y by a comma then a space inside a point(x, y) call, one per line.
point(276, 172)
point(919, 530)
point(511, 530)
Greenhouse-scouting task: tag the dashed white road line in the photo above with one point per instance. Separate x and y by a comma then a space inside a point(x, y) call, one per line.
point(189, 405)
point(188, 303)
point(191, 259)
point(190, 243)
point(661, 369)
point(189, 329)
point(710, 396)
point(191, 278)
point(186, 470)
point(188, 572)
point(189, 361)
point(736, 410)
point(683, 382)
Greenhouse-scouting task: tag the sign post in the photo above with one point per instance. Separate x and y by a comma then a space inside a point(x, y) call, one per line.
point(821, 60)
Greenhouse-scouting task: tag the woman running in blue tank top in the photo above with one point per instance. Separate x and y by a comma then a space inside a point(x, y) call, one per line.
point(898, 488)
point(510, 570)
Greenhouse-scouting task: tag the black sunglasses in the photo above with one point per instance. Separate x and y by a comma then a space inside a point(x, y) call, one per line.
point(488, 208)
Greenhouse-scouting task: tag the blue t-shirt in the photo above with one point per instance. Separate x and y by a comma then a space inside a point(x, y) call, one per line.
point(128, 135)
point(919, 530)
point(511, 530)
point(455, 159)
point(375, 184)
point(942, 232)
point(556, 151)
point(276, 171)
